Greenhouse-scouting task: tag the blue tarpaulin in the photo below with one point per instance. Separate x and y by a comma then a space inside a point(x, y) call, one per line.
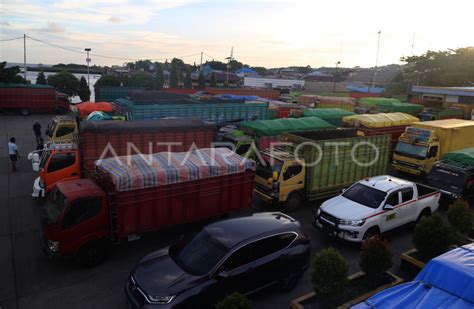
point(236, 97)
point(447, 281)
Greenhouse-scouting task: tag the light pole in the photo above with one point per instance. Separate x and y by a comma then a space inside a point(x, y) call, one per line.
point(88, 60)
point(335, 76)
point(376, 61)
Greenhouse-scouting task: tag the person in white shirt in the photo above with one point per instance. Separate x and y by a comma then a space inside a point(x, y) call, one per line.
point(13, 152)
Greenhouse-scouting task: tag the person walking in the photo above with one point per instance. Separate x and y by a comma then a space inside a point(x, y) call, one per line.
point(13, 152)
point(37, 130)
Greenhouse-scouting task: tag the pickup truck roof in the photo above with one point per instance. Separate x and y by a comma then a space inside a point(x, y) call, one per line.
point(386, 183)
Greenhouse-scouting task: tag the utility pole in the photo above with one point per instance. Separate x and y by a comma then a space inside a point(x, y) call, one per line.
point(228, 63)
point(335, 76)
point(88, 60)
point(413, 43)
point(24, 55)
point(376, 60)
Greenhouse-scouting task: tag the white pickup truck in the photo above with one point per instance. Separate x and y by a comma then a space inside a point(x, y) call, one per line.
point(375, 205)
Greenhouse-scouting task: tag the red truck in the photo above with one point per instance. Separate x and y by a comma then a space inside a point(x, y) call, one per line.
point(25, 98)
point(103, 139)
point(84, 217)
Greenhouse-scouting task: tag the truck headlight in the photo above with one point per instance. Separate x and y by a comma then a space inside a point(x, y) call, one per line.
point(160, 299)
point(53, 246)
point(351, 222)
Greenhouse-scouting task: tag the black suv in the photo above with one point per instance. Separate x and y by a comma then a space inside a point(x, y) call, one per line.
point(243, 254)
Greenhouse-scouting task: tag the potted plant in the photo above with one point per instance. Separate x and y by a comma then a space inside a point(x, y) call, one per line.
point(431, 238)
point(234, 301)
point(332, 286)
point(460, 220)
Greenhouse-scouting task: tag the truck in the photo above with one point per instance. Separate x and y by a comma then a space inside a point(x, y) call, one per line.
point(387, 105)
point(60, 161)
point(379, 124)
point(424, 143)
point(27, 98)
point(127, 198)
point(373, 206)
point(319, 101)
point(429, 114)
point(318, 164)
point(454, 174)
point(63, 128)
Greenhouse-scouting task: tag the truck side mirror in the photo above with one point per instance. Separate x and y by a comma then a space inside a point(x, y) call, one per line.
point(275, 176)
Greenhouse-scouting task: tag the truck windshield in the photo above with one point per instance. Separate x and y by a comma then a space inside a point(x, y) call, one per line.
point(54, 205)
point(266, 171)
point(410, 150)
point(365, 195)
point(198, 254)
point(447, 179)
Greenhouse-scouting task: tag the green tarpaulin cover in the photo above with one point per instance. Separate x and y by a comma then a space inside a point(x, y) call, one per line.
point(279, 126)
point(331, 115)
point(463, 156)
point(388, 105)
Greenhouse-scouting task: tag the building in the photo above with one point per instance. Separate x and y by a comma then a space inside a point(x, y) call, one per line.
point(445, 94)
point(273, 82)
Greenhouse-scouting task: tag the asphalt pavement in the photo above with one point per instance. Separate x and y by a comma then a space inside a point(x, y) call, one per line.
point(31, 280)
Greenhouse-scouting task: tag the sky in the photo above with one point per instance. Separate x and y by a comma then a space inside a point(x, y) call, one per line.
point(262, 33)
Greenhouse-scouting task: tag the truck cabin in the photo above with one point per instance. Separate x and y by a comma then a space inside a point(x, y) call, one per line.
point(69, 208)
point(242, 143)
point(452, 179)
point(418, 144)
point(62, 128)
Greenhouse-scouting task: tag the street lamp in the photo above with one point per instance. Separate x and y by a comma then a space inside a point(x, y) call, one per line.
point(88, 60)
point(335, 76)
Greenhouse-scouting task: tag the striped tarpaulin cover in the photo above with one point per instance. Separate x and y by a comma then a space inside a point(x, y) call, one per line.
point(164, 168)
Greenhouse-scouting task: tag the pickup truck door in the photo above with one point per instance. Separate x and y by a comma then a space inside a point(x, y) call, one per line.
point(391, 218)
point(407, 210)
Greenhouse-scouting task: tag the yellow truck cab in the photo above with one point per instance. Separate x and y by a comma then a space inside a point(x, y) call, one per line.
point(424, 143)
point(63, 128)
point(242, 143)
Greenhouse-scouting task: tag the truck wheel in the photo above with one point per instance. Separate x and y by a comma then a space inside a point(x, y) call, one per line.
point(425, 213)
point(293, 202)
point(24, 111)
point(92, 255)
point(371, 233)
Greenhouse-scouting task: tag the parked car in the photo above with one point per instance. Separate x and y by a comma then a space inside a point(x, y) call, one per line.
point(375, 205)
point(244, 254)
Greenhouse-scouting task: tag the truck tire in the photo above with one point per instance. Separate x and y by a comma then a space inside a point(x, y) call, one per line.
point(424, 213)
point(92, 255)
point(293, 202)
point(24, 111)
point(371, 233)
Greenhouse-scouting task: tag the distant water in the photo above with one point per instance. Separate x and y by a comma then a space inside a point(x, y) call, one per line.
point(31, 76)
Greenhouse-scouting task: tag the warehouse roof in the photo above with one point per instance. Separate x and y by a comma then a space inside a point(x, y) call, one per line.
point(464, 91)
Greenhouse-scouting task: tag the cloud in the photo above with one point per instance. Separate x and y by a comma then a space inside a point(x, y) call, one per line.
point(4, 23)
point(115, 19)
point(52, 28)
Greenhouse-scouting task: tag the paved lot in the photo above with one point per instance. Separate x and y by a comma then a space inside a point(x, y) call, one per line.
point(30, 280)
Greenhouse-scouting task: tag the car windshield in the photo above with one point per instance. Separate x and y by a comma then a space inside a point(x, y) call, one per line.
point(410, 150)
point(266, 171)
point(198, 254)
point(446, 179)
point(54, 205)
point(365, 195)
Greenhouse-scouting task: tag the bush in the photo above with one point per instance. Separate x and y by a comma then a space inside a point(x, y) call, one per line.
point(431, 237)
point(329, 272)
point(375, 258)
point(459, 217)
point(234, 301)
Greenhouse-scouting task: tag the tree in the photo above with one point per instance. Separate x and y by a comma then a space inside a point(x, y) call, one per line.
point(213, 81)
point(107, 80)
point(174, 75)
point(329, 272)
point(10, 75)
point(260, 70)
point(64, 82)
point(234, 301)
point(142, 79)
point(375, 259)
point(459, 217)
point(431, 237)
point(83, 90)
point(160, 78)
point(188, 83)
point(201, 80)
point(41, 79)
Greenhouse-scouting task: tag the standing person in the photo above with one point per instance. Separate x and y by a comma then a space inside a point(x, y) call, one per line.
point(37, 130)
point(13, 152)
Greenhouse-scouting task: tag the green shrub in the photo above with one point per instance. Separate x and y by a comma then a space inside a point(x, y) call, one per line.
point(431, 237)
point(375, 258)
point(234, 301)
point(329, 272)
point(459, 217)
